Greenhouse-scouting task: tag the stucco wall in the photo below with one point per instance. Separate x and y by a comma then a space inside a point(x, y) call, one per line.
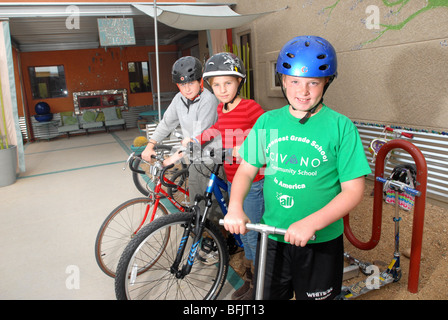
point(396, 74)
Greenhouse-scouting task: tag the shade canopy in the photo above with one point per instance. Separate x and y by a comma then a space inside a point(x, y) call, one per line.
point(187, 17)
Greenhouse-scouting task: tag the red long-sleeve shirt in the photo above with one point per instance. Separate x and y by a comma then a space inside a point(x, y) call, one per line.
point(234, 126)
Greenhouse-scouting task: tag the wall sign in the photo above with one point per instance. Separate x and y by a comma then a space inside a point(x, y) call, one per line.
point(116, 32)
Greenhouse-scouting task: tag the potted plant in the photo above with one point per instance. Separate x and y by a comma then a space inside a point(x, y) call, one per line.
point(8, 153)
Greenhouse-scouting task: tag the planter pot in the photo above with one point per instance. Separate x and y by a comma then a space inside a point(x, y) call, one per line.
point(8, 166)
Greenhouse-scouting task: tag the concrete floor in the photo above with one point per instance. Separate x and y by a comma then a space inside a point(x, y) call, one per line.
point(50, 216)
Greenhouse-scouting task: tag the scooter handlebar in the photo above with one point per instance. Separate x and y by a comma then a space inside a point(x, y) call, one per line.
point(263, 228)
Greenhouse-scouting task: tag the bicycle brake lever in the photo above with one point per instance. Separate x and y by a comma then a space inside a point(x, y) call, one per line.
point(128, 160)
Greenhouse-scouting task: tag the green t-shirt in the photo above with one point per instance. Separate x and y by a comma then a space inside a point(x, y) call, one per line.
point(305, 164)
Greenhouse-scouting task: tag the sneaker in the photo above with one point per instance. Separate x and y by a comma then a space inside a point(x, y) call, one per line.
point(246, 291)
point(208, 258)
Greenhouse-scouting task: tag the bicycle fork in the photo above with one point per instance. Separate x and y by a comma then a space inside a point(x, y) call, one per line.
point(196, 225)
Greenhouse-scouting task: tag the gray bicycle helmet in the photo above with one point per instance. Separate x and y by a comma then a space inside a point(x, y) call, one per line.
point(186, 69)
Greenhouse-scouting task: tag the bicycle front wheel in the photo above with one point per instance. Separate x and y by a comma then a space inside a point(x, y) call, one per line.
point(119, 228)
point(157, 246)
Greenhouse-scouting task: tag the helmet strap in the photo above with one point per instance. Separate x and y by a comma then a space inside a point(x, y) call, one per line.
point(189, 102)
point(309, 112)
point(313, 109)
point(201, 89)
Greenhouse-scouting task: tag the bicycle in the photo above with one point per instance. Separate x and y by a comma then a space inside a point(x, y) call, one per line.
point(184, 255)
point(123, 223)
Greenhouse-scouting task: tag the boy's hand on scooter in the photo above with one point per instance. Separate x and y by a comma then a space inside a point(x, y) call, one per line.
point(299, 233)
point(235, 221)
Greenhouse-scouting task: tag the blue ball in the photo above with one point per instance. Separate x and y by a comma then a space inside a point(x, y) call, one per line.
point(42, 108)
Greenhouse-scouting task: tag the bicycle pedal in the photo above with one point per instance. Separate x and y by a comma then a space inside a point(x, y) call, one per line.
point(208, 245)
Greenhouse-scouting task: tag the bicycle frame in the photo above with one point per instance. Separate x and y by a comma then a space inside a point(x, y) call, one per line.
point(215, 185)
point(158, 193)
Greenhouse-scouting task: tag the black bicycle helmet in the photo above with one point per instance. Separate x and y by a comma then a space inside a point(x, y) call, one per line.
point(186, 69)
point(405, 173)
point(224, 64)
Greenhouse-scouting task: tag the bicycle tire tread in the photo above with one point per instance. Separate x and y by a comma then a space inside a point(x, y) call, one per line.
point(121, 274)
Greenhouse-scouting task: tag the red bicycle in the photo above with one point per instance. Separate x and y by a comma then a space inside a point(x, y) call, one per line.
point(123, 223)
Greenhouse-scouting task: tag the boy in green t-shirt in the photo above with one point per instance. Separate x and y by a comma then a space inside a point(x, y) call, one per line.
point(315, 168)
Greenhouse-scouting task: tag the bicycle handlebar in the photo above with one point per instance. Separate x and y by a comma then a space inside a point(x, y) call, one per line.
point(132, 158)
point(162, 175)
point(406, 134)
point(206, 153)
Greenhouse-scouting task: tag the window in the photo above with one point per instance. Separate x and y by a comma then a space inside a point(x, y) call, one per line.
point(275, 77)
point(48, 82)
point(139, 77)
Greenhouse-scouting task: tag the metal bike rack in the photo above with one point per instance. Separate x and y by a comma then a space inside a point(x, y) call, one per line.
point(419, 208)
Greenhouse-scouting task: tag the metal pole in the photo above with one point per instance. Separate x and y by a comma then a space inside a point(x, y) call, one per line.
point(261, 266)
point(157, 59)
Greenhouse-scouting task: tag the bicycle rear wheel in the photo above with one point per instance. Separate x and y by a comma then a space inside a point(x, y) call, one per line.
point(157, 245)
point(119, 228)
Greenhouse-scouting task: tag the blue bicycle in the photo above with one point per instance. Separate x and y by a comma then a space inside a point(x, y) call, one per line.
point(182, 255)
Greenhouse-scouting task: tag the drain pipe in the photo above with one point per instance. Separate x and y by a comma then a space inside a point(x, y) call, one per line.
point(419, 208)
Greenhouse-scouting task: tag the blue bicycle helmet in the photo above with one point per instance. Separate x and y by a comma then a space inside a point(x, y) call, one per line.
point(308, 56)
